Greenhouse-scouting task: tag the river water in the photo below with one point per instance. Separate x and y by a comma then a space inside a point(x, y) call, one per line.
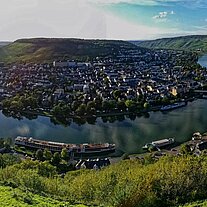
point(203, 61)
point(129, 136)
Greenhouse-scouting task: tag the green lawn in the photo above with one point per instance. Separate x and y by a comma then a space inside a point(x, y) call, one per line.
point(17, 198)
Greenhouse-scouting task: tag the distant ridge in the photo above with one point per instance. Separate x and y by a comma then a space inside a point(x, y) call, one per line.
point(4, 43)
point(49, 49)
point(189, 43)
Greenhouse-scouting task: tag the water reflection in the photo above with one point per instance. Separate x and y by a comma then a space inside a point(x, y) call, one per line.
point(128, 133)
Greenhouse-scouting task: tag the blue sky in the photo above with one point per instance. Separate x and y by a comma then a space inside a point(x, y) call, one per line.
point(179, 17)
point(102, 19)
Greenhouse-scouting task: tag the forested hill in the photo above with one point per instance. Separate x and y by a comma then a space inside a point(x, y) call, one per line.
point(189, 43)
point(49, 49)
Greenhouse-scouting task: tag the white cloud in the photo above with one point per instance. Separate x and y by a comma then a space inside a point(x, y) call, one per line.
point(163, 15)
point(122, 29)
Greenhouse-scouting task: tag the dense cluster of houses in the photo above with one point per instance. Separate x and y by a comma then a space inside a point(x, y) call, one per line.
point(150, 74)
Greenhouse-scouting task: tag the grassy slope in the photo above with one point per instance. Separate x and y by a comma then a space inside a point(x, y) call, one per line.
point(17, 198)
point(197, 204)
point(191, 43)
point(49, 49)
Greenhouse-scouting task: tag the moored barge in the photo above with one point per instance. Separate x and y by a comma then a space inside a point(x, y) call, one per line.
point(76, 149)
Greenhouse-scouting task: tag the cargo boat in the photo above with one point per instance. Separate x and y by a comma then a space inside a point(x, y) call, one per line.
point(173, 106)
point(75, 149)
point(159, 143)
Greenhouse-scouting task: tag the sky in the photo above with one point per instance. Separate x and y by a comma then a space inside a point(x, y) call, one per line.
point(102, 19)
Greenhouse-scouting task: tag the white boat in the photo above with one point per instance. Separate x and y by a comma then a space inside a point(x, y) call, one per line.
point(163, 142)
point(173, 106)
point(159, 143)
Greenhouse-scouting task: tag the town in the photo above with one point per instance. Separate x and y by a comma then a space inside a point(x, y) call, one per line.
point(131, 82)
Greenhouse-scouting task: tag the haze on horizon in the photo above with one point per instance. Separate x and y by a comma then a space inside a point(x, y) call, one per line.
point(102, 19)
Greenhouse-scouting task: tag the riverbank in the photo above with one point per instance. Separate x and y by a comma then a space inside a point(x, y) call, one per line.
point(18, 114)
point(194, 146)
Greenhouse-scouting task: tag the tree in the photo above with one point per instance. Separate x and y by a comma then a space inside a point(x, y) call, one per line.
point(46, 169)
point(146, 105)
point(56, 159)
point(130, 105)
point(81, 109)
point(39, 155)
point(116, 94)
point(64, 154)
point(105, 105)
point(112, 104)
point(47, 155)
point(185, 149)
point(91, 106)
point(75, 105)
point(125, 156)
point(8, 159)
point(121, 105)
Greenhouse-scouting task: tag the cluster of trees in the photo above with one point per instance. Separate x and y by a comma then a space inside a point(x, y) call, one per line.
point(106, 106)
point(171, 181)
point(58, 160)
point(20, 102)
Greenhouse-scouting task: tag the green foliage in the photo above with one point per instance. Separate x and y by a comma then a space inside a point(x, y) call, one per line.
point(81, 110)
point(39, 155)
point(8, 159)
point(61, 111)
point(185, 149)
point(116, 94)
point(47, 154)
point(45, 169)
point(18, 103)
point(131, 105)
point(10, 197)
point(171, 181)
point(56, 159)
point(196, 204)
point(125, 156)
point(64, 154)
point(146, 105)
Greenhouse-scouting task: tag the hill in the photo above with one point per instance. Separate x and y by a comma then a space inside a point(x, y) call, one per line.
point(2, 44)
point(188, 43)
point(49, 49)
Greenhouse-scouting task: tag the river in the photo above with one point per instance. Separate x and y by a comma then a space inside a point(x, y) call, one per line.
point(129, 136)
point(203, 61)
